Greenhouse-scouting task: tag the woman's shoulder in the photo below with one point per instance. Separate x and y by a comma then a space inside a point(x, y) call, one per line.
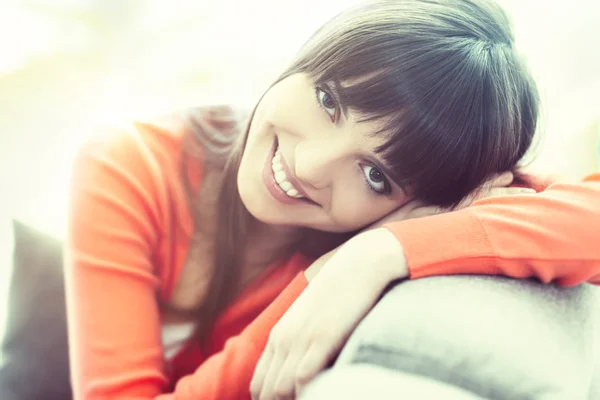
point(143, 139)
point(152, 157)
point(160, 142)
point(209, 126)
point(127, 181)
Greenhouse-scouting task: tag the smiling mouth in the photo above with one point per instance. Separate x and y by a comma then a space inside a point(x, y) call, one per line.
point(280, 182)
point(281, 177)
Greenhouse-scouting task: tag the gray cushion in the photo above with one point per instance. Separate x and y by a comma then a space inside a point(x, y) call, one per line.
point(495, 337)
point(368, 381)
point(35, 363)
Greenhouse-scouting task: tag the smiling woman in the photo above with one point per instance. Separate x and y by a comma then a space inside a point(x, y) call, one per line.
point(328, 157)
point(211, 222)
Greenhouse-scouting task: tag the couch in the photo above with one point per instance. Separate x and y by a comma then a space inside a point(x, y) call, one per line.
point(471, 337)
point(34, 359)
point(460, 337)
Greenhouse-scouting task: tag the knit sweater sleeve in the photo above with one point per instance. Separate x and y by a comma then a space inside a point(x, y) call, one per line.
point(553, 235)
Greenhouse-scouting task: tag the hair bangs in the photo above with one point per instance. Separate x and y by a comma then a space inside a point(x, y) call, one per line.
point(454, 101)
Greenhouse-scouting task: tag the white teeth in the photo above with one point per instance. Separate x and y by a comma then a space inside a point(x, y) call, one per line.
point(285, 185)
point(281, 178)
point(277, 167)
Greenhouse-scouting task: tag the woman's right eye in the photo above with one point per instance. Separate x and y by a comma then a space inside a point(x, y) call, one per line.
point(327, 103)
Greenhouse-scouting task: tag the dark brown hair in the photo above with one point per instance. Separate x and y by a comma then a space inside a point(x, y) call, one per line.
point(458, 103)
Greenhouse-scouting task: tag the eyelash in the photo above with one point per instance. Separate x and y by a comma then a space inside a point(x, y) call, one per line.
point(387, 187)
point(318, 90)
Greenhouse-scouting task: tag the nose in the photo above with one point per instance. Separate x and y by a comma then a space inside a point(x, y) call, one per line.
point(315, 163)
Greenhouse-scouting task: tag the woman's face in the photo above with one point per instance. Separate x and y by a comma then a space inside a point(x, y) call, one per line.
point(309, 163)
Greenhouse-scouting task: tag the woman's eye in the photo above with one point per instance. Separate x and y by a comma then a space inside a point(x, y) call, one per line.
point(327, 103)
point(376, 180)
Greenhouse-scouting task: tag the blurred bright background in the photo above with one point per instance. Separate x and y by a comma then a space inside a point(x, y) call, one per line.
point(67, 66)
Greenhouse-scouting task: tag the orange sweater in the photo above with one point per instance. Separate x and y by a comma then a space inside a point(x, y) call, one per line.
point(129, 234)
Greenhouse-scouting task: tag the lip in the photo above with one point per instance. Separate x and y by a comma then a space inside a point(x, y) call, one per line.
point(273, 187)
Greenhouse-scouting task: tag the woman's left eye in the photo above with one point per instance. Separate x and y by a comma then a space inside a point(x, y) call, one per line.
point(376, 180)
point(327, 103)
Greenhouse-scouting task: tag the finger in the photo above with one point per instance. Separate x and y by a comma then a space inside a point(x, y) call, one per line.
point(257, 383)
point(497, 181)
point(268, 390)
point(313, 362)
point(426, 212)
point(502, 180)
point(286, 380)
point(510, 191)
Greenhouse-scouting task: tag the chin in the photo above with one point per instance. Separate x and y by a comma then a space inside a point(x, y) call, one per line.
point(264, 216)
point(271, 216)
point(257, 206)
point(267, 213)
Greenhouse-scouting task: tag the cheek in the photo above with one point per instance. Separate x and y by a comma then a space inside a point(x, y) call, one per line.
point(260, 137)
point(353, 207)
point(357, 211)
point(289, 106)
point(257, 124)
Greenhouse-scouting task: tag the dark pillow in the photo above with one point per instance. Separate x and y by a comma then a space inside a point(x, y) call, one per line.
point(35, 350)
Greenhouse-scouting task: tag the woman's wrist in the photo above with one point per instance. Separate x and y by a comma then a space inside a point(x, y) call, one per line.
point(375, 257)
point(382, 252)
point(316, 266)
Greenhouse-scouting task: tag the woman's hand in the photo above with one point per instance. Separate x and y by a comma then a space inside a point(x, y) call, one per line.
point(317, 325)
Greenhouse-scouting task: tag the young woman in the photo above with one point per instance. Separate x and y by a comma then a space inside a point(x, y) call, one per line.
point(191, 236)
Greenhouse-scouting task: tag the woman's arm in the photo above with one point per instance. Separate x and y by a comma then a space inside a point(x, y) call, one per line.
point(553, 235)
point(112, 312)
